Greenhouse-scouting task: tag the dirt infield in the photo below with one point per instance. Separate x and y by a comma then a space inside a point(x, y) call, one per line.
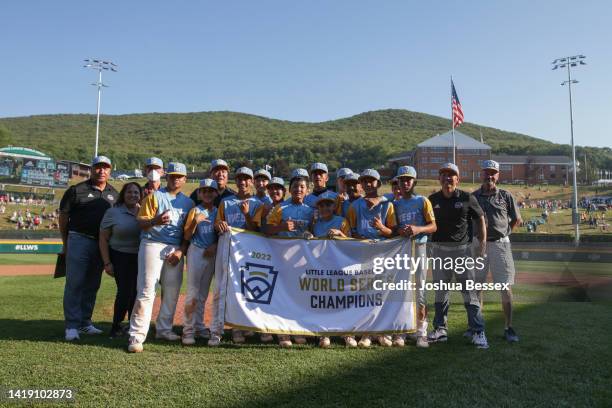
point(23, 270)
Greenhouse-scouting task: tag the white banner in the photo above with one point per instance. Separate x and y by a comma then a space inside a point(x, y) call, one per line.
point(311, 287)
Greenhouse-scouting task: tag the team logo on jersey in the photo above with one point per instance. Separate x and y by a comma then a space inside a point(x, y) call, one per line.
point(90, 195)
point(458, 204)
point(257, 282)
point(110, 197)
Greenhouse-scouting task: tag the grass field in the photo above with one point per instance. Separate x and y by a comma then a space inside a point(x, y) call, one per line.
point(562, 360)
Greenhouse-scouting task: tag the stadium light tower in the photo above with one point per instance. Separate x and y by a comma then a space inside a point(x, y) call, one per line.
point(99, 65)
point(569, 63)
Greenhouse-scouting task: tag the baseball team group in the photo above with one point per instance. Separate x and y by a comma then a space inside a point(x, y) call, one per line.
point(143, 235)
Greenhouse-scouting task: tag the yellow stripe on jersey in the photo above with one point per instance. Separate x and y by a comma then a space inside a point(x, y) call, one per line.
point(276, 216)
point(148, 208)
point(191, 223)
point(428, 212)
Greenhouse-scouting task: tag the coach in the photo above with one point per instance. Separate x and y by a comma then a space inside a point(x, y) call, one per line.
point(454, 210)
point(502, 215)
point(219, 171)
point(81, 210)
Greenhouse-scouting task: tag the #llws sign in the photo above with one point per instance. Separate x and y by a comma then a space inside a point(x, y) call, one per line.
point(311, 287)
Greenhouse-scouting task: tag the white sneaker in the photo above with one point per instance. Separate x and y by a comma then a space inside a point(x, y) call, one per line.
point(134, 346)
point(324, 342)
point(365, 342)
point(422, 342)
point(384, 341)
point(188, 340)
point(398, 341)
point(91, 329)
point(72, 334)
point(480, 340)
point(284, 341)
point(169, 336)
point(350, 341)
point(215, 340)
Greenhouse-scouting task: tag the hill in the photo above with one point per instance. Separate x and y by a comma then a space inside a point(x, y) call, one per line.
point(364, 140)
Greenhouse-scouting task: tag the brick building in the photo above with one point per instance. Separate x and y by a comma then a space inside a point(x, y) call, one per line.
point(534, 169)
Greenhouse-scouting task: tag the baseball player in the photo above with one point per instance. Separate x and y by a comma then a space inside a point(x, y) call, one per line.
point(200, 232)
point(276, 192)
point(292, 218)
point(329, 225)
point(372, 217)
point(415, 220)
point(395, 193)
point(261, 180)
point(319, 176)
point(153, 171)
point(219, 171)
point(352, 188)
point(237, 211)
point(160, 257)
point(502, 215)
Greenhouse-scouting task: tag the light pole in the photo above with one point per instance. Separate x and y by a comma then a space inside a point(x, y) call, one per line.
point(572, 62)
point(100, 66)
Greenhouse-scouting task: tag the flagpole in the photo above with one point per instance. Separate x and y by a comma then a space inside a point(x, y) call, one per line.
point(453, 121)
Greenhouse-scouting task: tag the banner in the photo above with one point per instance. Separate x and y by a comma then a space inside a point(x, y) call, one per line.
point(312, 287)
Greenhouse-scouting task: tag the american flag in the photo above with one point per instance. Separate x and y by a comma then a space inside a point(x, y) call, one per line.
point(456, 106)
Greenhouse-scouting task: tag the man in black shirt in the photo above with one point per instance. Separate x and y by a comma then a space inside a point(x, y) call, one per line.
point(219, 171)
point(81, 210)
point(454, 210)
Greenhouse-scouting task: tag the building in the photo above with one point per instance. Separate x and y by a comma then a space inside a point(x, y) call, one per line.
point(533, 169)
point(22, 165)
point(77, 169)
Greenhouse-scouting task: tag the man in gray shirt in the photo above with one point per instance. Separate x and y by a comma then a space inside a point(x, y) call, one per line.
point(502, 215)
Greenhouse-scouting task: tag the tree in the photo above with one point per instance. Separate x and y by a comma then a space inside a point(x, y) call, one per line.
point(6, 137)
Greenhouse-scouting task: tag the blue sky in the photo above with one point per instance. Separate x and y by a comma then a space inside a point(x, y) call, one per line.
point(315, 60)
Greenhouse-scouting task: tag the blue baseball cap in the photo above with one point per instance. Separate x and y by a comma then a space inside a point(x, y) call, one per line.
point(209, 183)
point(406, 171)
point(449, 166)
point(101, 160)
point(263, 173)
point(176, 168)
point(351, 177)
point(244, 171)
point(490, 164)
point(154, 161)
point(299, 173)
point(278, 181)
point(319, 166)
point(370, 173)
point(343, 172)
point(218, 163)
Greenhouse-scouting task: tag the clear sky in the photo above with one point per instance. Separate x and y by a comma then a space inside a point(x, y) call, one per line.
point(315, 60)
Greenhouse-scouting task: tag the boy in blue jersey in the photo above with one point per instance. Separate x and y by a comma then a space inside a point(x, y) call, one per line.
point(395, 193)
point(415, 219)
point(352, 193)
point(276, 192)
point(329, 225)
point(160, 257)
point(319, 176)
point(261, 180)
point(199, 230)
point(239, 212)
point(372, 217)
point(292, 218)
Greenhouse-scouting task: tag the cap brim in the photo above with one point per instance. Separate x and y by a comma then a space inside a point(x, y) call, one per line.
point(490, 168)
point(176, 173)
point(102, 164)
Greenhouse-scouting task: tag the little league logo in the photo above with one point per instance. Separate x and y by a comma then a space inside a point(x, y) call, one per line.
point(257, 282)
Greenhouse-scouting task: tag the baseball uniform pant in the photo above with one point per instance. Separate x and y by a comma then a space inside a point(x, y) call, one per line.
point(153, 269)
point(200, 271)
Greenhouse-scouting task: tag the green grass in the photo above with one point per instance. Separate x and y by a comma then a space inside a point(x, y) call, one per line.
point(27, 259)
point(551, 366)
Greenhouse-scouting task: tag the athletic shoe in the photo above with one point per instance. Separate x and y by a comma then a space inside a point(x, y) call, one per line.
point(248, 333)
point(510, 335)
point(214, 341)
point(365, 342)
point(188, 340)
point(202, 334)
point(284, 341)
point(350, 341)
point(237, 337)
point(91, 329)
point(439, 335)
point(169, 336)
point(324, 342)
point(72, 334)
point(134, 346)
point(266, 338)
point(422, 342)
point(384, 341)
point(480, 340)
point(398, 341)
point(468, 334)
point(300, 340)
